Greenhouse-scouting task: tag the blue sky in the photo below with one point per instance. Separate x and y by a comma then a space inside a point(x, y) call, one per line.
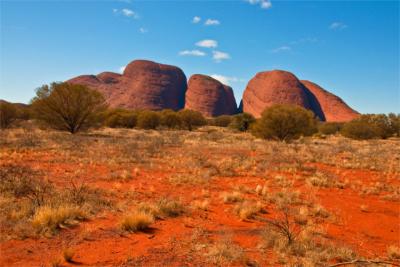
point(350, 48)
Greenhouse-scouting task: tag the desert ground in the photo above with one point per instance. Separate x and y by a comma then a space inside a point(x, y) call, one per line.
point(210, 197)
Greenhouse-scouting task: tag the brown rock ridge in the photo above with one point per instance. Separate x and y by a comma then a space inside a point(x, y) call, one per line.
point(209, 96)
point(143, 85)
point(282, 87)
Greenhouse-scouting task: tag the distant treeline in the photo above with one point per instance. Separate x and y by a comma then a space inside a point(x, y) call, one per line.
point(75, 108)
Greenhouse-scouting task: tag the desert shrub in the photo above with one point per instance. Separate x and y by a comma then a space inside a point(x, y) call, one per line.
point(19, 181)
point(137, 221)
point(191, 119)
point(169, 207)
point(8, 114)
point(48, 219)
point(285, 123)
point(242, 122)
point(148, 119)
point(120, 118)
point(370, 126)
point(222, 121)
point(170, 119)
point(395, 123)
point(329, 128)
point(68, 107)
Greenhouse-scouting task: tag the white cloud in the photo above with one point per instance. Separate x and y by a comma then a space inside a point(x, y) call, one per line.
point(196, 53)
point(210, 22)
point(143, 30)
point(226, 79)
point(264, 4)
point(218, 56)
point(338, 26)
point(121, 69)
point(207, 43)
point(196, 19)
point(281, 49)
point(126, 12)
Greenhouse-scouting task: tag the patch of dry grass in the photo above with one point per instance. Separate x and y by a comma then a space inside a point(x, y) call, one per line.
point(48, 220)
point(136, 221)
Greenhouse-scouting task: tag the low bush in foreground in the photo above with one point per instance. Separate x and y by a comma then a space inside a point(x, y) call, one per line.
point(285, 123)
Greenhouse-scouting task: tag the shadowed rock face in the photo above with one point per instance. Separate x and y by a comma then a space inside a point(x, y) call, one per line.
point(209, 96)
point(143, 85)
point(332, 106)
point(282, 87)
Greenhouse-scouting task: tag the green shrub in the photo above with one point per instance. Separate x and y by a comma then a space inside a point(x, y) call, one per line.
point(369, 126)
point(148, 119)
point(285, 123)
point(170, 119)
point(329, 128)
point(191, 119)
point(222, 121)
point(242, 122)
point(8, 114)
point(120, 118)
point(68, 107)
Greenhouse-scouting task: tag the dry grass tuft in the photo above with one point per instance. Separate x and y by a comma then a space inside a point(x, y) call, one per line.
point(393, 252)
point(68, 254)
point(137, 221)
point(232, 197)
point(50, 219)
point(247, 209)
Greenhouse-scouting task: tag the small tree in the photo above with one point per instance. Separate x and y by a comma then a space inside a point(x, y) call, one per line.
point(68, 107)
point(191, 119)
point(242, 122)
point(148, 119)
point(285, 123)
point(170, 119)
point(8, 114)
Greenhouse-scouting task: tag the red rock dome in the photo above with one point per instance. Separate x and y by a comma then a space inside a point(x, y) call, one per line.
point(143, 85)
point(273, 87)
point(332, 106)
point(209, 96)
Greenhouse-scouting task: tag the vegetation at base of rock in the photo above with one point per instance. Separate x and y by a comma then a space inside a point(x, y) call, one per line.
point(285, 123)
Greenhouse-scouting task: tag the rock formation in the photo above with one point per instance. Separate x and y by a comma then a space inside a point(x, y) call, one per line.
point(143, 85)
point(282, 87)
point(209, 96)
point(332, 106)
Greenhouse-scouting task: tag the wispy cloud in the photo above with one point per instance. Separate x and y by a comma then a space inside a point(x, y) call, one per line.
point(126, 12)
point(121, 69)
point(337, 26)
point(196, 19)
point(210, 22)
point(264, 4)
point(218, 56)
point(207, 43)
point(281, 49)
point(228, 80)
point(143, 30)
point(196, 53)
